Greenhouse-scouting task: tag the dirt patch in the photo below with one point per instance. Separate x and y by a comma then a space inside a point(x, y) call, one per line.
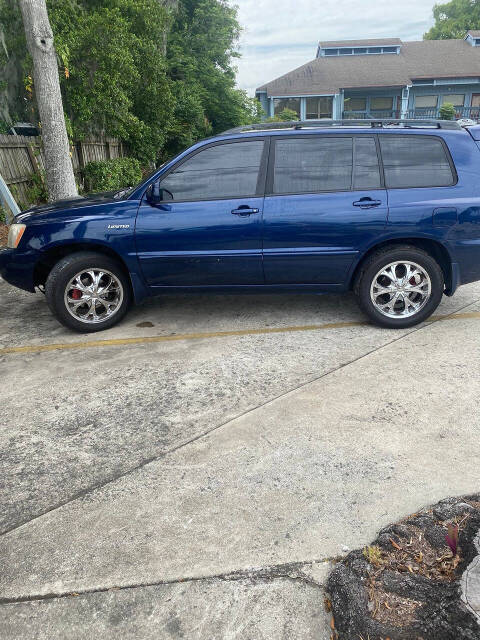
point(406, 584)
point(3, 235)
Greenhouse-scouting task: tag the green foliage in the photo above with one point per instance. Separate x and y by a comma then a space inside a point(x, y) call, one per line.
point(447, 111)
point(373, 555)
point(286, 115)
point(254, 111)
point(158, 79)
point(453, 19)
point(109, 175)
point(3, 215)
point(37, 192)
point(200, 54)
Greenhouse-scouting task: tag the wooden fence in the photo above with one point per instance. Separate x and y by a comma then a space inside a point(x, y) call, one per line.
point(21, 159)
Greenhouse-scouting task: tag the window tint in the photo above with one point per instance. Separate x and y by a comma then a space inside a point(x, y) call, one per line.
point(318, 108)
point(457, 99)
point(415, 161)
point(313, 164)
point(355, 104)
point(381, 103)
point(222, 171)
point(326, 164)
point(279, 104)
point(367, 172)
point(425, 102)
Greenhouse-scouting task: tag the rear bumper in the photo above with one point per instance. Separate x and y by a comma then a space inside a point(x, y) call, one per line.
point(17, 268)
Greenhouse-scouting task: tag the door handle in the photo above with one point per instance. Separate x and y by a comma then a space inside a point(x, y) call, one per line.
point(367, 203)
point(244, 211)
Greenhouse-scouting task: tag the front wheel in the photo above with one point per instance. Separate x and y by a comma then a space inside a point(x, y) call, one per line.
point(399, 287)
point(88, 292)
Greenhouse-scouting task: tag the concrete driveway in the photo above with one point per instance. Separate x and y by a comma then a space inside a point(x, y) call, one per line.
point(194, 472)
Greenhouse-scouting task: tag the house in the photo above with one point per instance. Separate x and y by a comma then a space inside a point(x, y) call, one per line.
point(381, 78)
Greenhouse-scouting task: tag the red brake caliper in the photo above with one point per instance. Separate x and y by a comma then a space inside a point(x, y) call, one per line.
point(76, 294)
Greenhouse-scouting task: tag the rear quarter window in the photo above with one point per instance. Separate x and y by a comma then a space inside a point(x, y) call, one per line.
point(416, 161)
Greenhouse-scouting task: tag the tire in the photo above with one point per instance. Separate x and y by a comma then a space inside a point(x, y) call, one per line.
point(107, 297)
point(399, 307)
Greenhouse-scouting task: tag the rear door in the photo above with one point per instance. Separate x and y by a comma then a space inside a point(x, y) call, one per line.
point(325, 202)
point(420, 178)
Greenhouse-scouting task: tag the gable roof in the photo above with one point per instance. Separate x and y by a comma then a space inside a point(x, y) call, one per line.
point(416, 60)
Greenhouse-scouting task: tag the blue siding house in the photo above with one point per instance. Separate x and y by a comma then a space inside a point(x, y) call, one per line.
point(381, 78)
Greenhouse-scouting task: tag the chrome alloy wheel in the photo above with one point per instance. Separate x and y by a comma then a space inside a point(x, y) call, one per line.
point(400, 289)
point(93, 295)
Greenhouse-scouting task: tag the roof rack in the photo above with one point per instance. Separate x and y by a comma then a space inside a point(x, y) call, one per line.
point(372, 124)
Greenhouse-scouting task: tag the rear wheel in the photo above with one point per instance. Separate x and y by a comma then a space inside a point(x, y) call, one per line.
point(399, 287)
point(88, 292)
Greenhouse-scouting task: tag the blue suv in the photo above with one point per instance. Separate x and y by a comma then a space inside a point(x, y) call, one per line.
point(388, 209)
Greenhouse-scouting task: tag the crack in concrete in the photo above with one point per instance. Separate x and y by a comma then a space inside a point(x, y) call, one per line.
point(287, 571)
point(147, 461)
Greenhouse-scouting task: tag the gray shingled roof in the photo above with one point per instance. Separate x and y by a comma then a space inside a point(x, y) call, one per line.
point(423, 59)
point(474, 32)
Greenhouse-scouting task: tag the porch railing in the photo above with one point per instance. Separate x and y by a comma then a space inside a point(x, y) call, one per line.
point(461, 112)
point(371, 115)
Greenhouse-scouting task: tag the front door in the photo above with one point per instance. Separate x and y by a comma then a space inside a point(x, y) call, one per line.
point(209, 232)
point(475, 110)
point(324, 204)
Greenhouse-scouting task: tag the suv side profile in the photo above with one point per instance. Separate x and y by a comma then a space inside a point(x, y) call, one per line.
point(388, 209)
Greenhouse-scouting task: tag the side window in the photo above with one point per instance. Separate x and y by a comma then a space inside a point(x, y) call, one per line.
point(313, 163)
point(222, 171)
point(415, 161)
point(366, 173)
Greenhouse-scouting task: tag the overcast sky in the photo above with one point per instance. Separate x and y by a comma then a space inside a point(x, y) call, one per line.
point(280, 35)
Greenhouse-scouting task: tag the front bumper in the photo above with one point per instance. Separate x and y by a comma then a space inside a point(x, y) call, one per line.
point(17, 268)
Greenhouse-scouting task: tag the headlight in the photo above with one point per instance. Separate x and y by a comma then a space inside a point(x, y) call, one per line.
point(15, 234)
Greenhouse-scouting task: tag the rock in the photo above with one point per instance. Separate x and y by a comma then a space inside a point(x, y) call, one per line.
point(440, 613)
point(421, 520)
point(447, 510)
point(435, 536)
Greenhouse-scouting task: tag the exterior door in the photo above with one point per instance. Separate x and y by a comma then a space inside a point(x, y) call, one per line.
point(209, 233)
point(324, 204)
point(475, 110)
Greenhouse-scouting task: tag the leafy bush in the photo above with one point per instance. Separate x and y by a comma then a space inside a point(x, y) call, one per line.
point(3, 215)
point(37, 193)
point(447, 111)
point(109, 175)
point(286, 115)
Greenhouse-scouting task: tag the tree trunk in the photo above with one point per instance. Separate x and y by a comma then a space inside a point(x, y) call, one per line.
point(58, 164)
point(170, 6)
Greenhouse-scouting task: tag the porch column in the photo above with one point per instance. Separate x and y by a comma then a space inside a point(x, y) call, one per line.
point(404, 107)
point(338, 101)
point(303, 108)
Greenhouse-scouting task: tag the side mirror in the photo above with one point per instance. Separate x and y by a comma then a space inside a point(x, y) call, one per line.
point(156, 195)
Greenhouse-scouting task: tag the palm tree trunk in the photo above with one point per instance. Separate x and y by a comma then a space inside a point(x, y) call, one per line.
point(58, 164)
